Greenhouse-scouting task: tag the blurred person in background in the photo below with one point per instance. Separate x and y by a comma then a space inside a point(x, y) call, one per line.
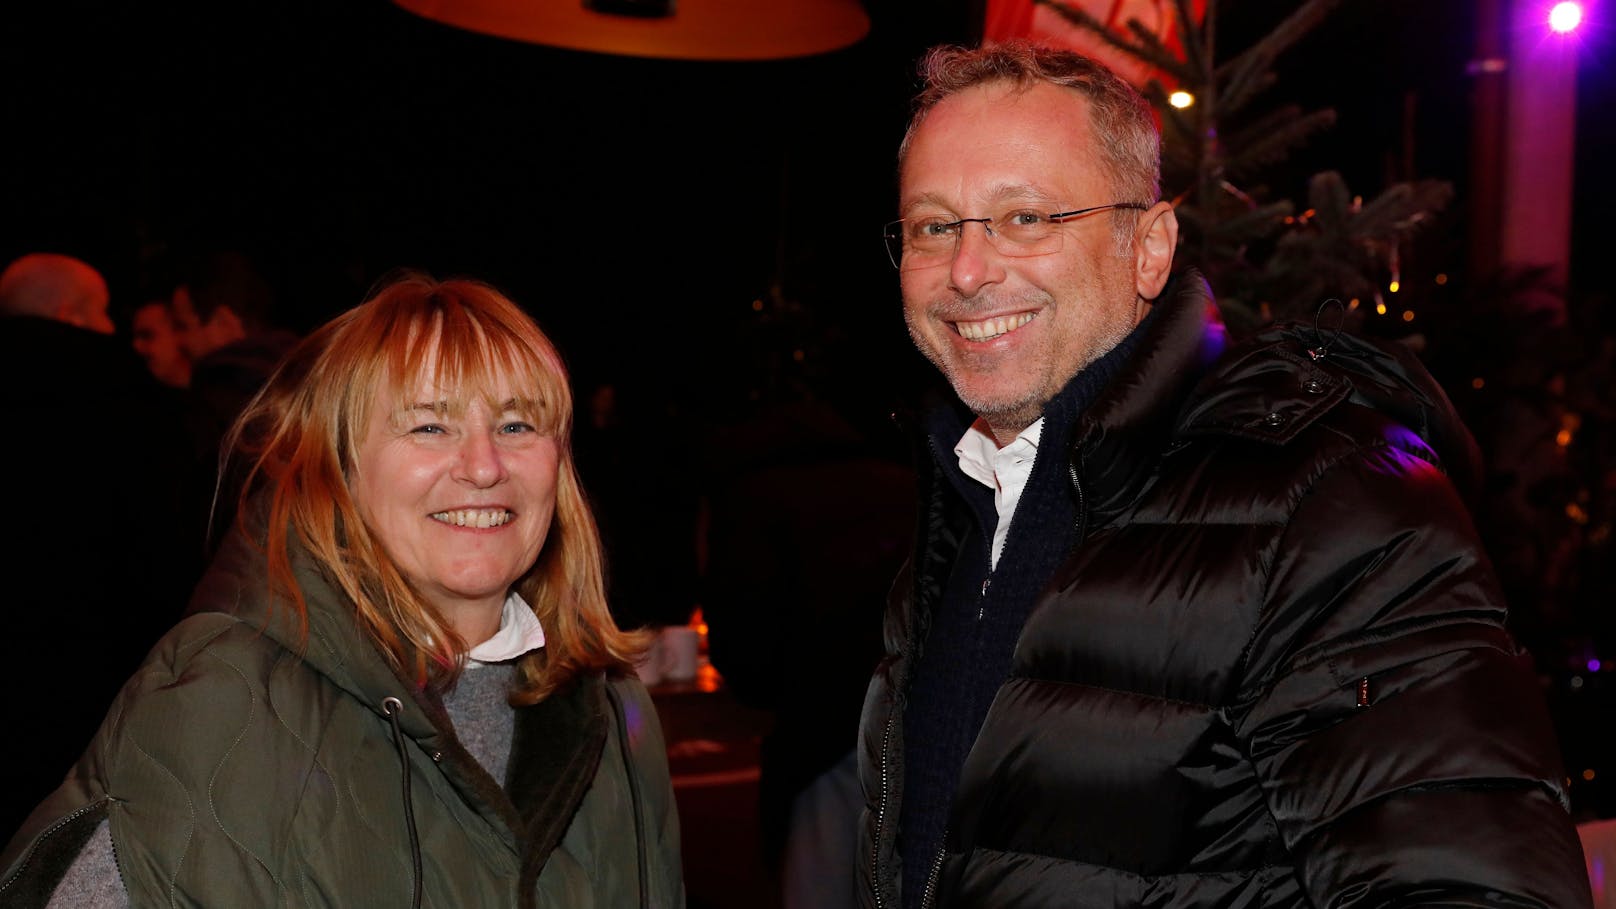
point(96, 567)
point(224, 311)
point(156, 339)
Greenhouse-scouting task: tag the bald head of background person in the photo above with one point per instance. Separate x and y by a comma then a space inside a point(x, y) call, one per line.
point(56, 286)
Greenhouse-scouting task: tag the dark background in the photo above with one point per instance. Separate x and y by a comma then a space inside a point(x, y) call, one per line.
point(639, 208)
point(697, 235)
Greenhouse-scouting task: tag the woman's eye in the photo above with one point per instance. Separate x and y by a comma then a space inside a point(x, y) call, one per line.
point(429, 429)
point(517, 427)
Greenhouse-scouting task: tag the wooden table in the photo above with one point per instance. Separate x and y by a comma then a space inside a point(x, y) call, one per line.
point(713, 756)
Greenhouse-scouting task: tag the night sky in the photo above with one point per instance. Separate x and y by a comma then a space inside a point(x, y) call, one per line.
point(630, 204)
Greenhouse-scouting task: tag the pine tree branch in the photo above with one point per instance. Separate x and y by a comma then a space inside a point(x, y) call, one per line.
point(1271, 138)
point(1241, 76)
point(1150, 48)
point(1330, 201)
point(1196, 58)
point(1149, 51)
point(1401, 210)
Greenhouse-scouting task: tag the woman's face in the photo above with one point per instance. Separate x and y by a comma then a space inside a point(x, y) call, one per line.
point(461, 502)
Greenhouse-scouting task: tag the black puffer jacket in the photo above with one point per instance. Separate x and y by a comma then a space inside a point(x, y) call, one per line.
point(1273, 673)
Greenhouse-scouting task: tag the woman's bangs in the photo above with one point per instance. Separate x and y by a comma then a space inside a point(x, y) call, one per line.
point(467, 360)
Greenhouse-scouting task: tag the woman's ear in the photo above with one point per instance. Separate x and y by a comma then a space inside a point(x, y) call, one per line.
point(1155, 240)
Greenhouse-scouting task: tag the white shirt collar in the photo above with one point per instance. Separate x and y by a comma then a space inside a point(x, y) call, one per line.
point(1003, 470)
point(980, 456)
point(519, 632)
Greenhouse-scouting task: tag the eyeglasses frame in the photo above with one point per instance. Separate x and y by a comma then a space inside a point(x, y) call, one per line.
point(889, 231)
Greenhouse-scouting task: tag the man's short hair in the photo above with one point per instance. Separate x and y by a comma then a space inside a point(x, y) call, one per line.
point(1123, 121)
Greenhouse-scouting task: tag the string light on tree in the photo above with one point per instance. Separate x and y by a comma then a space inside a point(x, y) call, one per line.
point(1181, 99)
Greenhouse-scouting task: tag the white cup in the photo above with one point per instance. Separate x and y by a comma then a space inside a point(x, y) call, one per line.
point(680, 645)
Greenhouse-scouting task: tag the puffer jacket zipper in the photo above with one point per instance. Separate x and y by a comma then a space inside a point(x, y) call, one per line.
point(929, 896)
point(881, 809)
point(1075, 473)
point(642, 846)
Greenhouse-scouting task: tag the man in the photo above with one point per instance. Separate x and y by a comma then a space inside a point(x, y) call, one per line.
point(61, 288)
point(97, 565)
point(222, 308)
point(1186, 626)
point(156, 339)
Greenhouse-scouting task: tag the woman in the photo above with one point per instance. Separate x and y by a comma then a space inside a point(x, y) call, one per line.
point(398, 684)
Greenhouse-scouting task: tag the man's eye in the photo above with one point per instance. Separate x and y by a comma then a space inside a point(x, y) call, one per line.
point(932, 228)
point(1023, 218)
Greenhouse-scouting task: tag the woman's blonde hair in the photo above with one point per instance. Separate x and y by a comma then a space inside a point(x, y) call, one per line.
point(300, 437)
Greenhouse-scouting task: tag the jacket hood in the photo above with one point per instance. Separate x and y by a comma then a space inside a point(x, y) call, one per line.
point(1273, 384)
point(237, 584)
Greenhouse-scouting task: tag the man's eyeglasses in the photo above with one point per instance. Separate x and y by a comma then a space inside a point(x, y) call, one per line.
point(928, 240)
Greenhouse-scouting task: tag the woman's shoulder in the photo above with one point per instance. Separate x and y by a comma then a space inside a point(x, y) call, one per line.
point(204, 678)
point(206, 642)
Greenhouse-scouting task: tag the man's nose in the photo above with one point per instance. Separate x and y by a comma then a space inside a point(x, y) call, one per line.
point(976, 262)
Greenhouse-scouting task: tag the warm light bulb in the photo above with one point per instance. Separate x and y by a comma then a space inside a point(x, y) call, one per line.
point(1565, 17)
point(1395, 286)
point(1181, 99)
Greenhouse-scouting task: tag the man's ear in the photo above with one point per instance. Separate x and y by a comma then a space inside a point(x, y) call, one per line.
point(1155, 240)
point(226, 324)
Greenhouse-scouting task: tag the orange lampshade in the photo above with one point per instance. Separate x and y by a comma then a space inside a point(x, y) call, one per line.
point(691, 29)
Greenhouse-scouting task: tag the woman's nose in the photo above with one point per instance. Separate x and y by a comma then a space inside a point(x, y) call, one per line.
point(481, 463)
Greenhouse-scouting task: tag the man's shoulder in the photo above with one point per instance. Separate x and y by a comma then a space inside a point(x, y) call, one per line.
point(1288, 386)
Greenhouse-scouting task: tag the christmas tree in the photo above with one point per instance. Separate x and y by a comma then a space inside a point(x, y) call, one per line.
point(1265, 259)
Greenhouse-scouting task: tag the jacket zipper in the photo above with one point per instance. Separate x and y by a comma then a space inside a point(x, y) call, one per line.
point(881, 810)
point(27, 859)
point(1076, 476)
point(930, 894)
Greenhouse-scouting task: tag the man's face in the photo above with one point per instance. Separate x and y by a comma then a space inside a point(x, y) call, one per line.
point(1010, 332)
point(158, 343)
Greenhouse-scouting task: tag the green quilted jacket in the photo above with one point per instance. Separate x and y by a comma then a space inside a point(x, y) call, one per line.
point(238, 768)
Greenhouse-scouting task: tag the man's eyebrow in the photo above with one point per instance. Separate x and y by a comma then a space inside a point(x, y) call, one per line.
point(996, 194)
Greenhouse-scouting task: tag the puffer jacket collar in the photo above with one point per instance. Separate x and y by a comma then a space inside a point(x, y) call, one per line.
point(1121, 437)
point(1185, 380)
